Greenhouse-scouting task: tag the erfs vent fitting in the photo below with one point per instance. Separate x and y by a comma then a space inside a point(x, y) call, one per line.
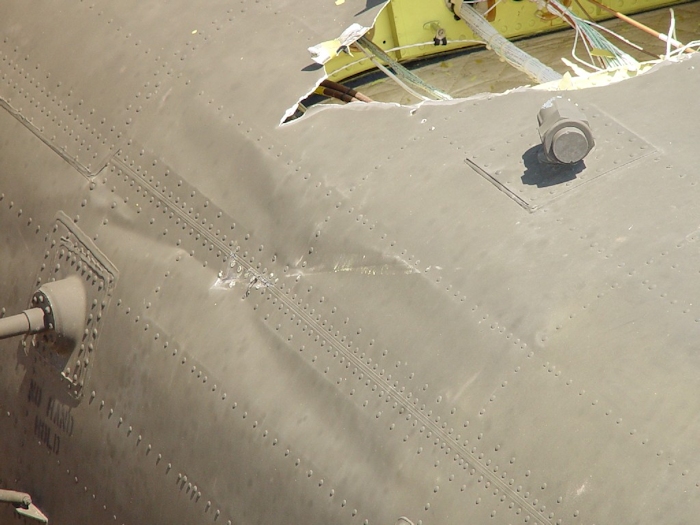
point(565, 133)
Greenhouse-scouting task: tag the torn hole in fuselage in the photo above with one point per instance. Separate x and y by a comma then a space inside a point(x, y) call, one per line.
point(362, 53)
point(443, 50)
point(346, 59)
point(365, 57)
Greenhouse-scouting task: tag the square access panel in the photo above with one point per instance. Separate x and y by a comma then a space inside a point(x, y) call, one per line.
point(512, 165)
point(72, 253)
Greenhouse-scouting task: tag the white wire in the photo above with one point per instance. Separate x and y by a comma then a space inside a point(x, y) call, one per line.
point(577, 32)
point(492, 7)
point(391, 75)
point(616, 35)
point(673, 16)
point(682, 49)
point(585, 44)
point(370, 48)
point(430, 43)
point(587, 30)
point(671, 34)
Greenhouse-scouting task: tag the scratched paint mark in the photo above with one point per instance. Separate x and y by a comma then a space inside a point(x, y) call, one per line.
point(237, 271)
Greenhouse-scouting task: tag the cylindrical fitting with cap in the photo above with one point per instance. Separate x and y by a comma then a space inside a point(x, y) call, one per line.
point(564, 130)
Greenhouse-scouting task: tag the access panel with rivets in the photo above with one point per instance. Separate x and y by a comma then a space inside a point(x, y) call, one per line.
point(71, 253)
point(514, 167)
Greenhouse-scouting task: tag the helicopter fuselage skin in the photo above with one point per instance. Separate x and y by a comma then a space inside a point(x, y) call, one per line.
point(374, 314)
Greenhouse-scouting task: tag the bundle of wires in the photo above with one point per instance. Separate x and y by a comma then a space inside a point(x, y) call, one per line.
point(596, 45)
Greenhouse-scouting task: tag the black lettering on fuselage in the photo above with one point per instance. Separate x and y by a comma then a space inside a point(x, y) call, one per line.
point(60, 415)
point(42, 431)
point(35, 392)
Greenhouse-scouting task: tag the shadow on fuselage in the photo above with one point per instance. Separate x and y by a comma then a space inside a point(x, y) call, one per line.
point(543, 174)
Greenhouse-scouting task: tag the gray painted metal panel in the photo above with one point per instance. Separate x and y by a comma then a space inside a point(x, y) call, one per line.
point(402, 339)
